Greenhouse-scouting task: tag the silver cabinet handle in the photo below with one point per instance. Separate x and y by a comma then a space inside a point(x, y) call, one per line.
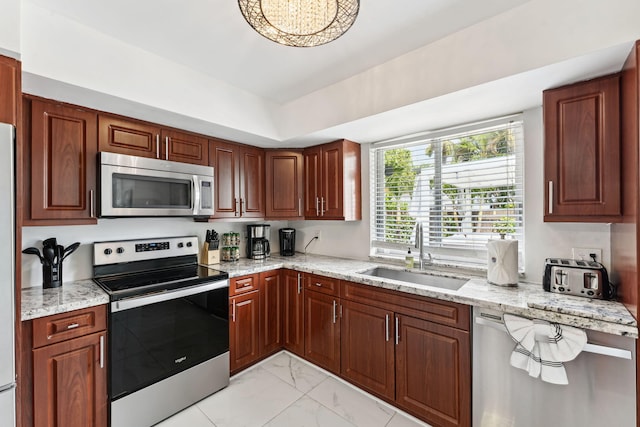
point(157, 146)
point(233, 311)
point(101, 351)
point(317, 208)
point(334, 311)
point(386, 326)
point(397, 330)
point(235, 207)
point(319, 284)
point(166, 148)
point(241, 201)
point(322, 211)
point(299, 283)
point(72, 326)
point(299, 206)
point(92, 210)
point(550, 197)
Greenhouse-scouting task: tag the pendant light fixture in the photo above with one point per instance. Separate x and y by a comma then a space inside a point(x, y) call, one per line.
point(300, 23)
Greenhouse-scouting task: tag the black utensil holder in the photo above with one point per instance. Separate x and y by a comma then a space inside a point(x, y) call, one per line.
point(52, 275)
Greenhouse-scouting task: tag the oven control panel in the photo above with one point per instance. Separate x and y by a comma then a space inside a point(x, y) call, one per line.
point(144, 249)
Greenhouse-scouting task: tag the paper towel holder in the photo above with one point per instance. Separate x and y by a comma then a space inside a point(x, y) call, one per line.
point(502, 262)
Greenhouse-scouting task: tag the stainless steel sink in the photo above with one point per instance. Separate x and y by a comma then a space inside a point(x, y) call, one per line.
point(416, 278)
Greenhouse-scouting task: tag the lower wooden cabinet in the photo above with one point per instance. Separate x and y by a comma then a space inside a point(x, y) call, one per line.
point(293, 305)
point(69, 369)
point(322, 330)
point(367, 342)
point(433, 372)
point(244, 330)
point(271, 312)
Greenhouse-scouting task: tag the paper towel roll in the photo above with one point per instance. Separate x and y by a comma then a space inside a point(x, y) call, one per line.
point(502, 268)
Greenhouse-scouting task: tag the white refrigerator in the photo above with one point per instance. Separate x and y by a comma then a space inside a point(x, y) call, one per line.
point(7, 277)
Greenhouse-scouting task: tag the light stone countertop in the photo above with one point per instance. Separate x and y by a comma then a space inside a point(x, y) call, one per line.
point(526, 299)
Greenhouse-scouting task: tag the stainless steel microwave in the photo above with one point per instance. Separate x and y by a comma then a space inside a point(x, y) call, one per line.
point(140, 186)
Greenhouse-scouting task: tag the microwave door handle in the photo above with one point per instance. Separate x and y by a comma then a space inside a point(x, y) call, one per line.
point(195, 203)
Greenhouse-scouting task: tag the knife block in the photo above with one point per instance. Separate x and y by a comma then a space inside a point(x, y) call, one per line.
point(210, 256)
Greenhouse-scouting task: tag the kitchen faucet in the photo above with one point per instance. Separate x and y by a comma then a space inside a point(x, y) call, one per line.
point(420, 245)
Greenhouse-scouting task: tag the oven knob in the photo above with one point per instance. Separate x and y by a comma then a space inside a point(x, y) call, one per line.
point(108, 251)
point(180, 244)
point(561, 289)
point(590, 293)
point(189, 244)
point(120, 250)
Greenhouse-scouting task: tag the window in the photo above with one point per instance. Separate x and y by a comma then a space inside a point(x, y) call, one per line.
point(464, 184)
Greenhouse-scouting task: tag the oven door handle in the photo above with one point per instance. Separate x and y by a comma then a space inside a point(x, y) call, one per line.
point(135, 302)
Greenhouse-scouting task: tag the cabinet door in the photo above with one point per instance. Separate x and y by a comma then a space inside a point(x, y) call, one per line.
point(271, 308)
point(312, 182)
point(367, 348)
point(582, 152)
point(251, 182)
point(224, 159)
point(433, 372)
point(130, 137)
point(322, 330)
point(184, 147)
point(10, 90)
point(331, 195)
point(63, 163)
point(71, 385)
point(293, 312)
point(244, 330)
point(284, 182)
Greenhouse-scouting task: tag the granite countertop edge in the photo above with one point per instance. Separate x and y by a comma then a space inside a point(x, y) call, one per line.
point(526, 299)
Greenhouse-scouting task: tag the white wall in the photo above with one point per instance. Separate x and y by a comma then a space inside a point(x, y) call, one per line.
point(542, 240)
point(10, 28)
point(79, 264)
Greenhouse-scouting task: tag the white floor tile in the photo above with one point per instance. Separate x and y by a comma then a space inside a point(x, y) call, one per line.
point(356, 407)
point(192, 417)
point(252, 399)
point(400, 420)
point(302, 375)
point(306, 412)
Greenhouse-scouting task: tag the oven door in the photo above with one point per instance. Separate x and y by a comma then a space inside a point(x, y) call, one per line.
point(156, 336)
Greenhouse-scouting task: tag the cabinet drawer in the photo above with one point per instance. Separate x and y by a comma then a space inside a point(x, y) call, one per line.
point(322, 284)
point(60, 327)
point(443, 312)
point(243, 284)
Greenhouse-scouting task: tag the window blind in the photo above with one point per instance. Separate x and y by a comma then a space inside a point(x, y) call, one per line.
point(464, 184)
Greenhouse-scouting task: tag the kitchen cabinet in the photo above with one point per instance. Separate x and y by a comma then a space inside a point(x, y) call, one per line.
point(244, 330)
point(368, 354)
point(59, 163)
point(271, 293)
point(582, 151)
point(69, 369)
point(284, 184)
point(322, 325)
point(239, 180)
point(418, 352)
point(10, 90)
point(332, 181)
point(137, 138)
point(293, 324)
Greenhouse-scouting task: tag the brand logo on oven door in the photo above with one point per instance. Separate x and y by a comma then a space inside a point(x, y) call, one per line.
point(180, 359)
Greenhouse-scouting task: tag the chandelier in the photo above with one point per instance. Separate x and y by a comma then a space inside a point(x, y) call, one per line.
point(300, 23)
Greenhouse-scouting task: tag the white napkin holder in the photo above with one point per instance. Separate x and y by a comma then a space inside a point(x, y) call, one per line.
point(502, 262)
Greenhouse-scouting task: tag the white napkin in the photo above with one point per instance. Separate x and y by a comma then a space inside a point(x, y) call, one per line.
point(542, 347)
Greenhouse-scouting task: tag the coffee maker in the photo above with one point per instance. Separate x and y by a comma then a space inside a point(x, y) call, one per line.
point(258, 241)
point(287, 241)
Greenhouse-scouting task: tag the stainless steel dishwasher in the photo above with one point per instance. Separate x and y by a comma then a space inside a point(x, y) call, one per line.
point(601, 389)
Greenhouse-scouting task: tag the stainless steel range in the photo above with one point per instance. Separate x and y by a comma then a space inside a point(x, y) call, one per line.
point(168, 327)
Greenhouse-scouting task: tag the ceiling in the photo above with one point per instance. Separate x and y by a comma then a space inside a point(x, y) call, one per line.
point(212, 37)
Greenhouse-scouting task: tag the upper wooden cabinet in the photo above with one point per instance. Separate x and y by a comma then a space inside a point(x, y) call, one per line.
point(284, 184)
point(137, 138)
point(60, 163)
point(332, 181)
point(10, 89)
point(582, 151)
point(239, 180)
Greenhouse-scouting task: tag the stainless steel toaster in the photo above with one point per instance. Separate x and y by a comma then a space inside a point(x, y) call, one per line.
point(577, 277)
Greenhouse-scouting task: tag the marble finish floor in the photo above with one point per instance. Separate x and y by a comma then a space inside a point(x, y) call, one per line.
point(285, 391)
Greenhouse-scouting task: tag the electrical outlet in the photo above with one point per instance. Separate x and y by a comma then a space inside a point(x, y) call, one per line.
point(585, 254)
point(316, 234)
